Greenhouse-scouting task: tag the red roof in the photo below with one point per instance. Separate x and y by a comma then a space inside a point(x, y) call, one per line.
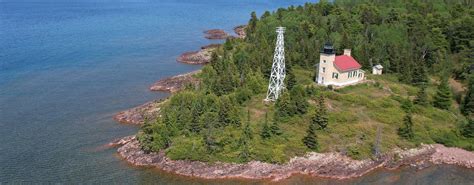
point(345, 63)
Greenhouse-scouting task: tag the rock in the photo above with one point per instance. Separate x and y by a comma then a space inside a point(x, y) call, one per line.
point(457, 156)
point(137, 115)
point(202, 56)
point(122, 141)
point(175, 83)
point(327, 165)
point(240, 31)
point(216, 34)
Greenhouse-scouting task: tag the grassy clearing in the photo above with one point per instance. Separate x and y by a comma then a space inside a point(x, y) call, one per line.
point(355, 113)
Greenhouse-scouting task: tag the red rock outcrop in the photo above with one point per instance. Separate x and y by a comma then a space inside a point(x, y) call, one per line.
point(240, 31)
point(328, 165)
point(137, 115)
point(202, 56)
point(216, 34)
point(175, 83)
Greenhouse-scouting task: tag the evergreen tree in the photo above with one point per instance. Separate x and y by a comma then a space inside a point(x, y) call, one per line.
point(321, 118)
point(244, 143)
point(310, 139)
point(407, 105)
point(419, 77)
point(284, 106)
point(298, 100)
point(407, 130)
point(196, 111)
point(468, 103)
point(210, 121)
point(266, 132)
point(290, 80)
point(443, 95)
point(468, 129)
point(421, 97)
point(228, 112)
point(275, 129)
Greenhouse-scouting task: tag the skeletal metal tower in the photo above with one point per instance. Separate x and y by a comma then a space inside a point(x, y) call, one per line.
point(277, 76)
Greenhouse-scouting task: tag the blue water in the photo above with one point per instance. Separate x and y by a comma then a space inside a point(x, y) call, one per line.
point(67, 67)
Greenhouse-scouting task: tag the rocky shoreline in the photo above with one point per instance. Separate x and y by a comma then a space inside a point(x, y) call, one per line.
point(176, 83)
point(138, 115)
point(202, 56)
point(327, 165)
point(240, 31)
point(216, 34)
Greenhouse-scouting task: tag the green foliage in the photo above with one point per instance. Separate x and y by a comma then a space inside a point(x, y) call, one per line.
point(310, 140)
point(407, 105)
point(407, 130)
point(275, 129)
point(266, 132)
point(284, 106)
point(321, 117)
point(413, 40)
point(468, 103)
point(290, 80)
point(210, 120)
point(299, 100)
point(443, 97)
point(421, 97)
point(419, 76)
point(244, 142)
point(468, 129)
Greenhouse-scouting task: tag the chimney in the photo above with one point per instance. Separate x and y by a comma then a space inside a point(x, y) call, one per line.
point(347, 52)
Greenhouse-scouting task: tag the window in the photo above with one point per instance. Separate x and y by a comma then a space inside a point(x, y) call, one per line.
point(355, 73)
point(324, 61)
point(335, 75)
point(349, 74)
point(324, 69)
point(360, 75)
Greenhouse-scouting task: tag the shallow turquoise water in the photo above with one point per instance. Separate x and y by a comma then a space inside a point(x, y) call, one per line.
point(66, 68)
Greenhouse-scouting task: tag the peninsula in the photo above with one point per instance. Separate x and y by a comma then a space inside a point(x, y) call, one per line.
point(335, 120)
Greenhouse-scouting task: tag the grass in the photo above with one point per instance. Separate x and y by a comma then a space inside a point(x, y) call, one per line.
point(355, 114)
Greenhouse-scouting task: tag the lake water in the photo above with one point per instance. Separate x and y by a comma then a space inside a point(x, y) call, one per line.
point(67, 67)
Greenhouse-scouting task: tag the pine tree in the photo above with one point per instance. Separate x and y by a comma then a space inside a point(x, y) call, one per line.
point(290, 80)
point(266, 132)
point(275, 129)
point(407, 105)
point(468, 103)
point(321, 117)
point(298, 100)
point(247, 133)
point(468, 129)
point(210, 121)
point(244, 143)
point(196, 111)
point(442, 98)
point(421, 97)
point(407, 130)
point(310, 139)
point(419, 77)
point(284, 107)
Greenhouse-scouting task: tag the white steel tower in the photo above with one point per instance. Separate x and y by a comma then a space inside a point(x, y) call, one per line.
point(277, 76)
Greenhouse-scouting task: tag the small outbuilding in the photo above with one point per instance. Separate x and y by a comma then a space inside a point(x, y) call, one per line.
point(377, 69)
